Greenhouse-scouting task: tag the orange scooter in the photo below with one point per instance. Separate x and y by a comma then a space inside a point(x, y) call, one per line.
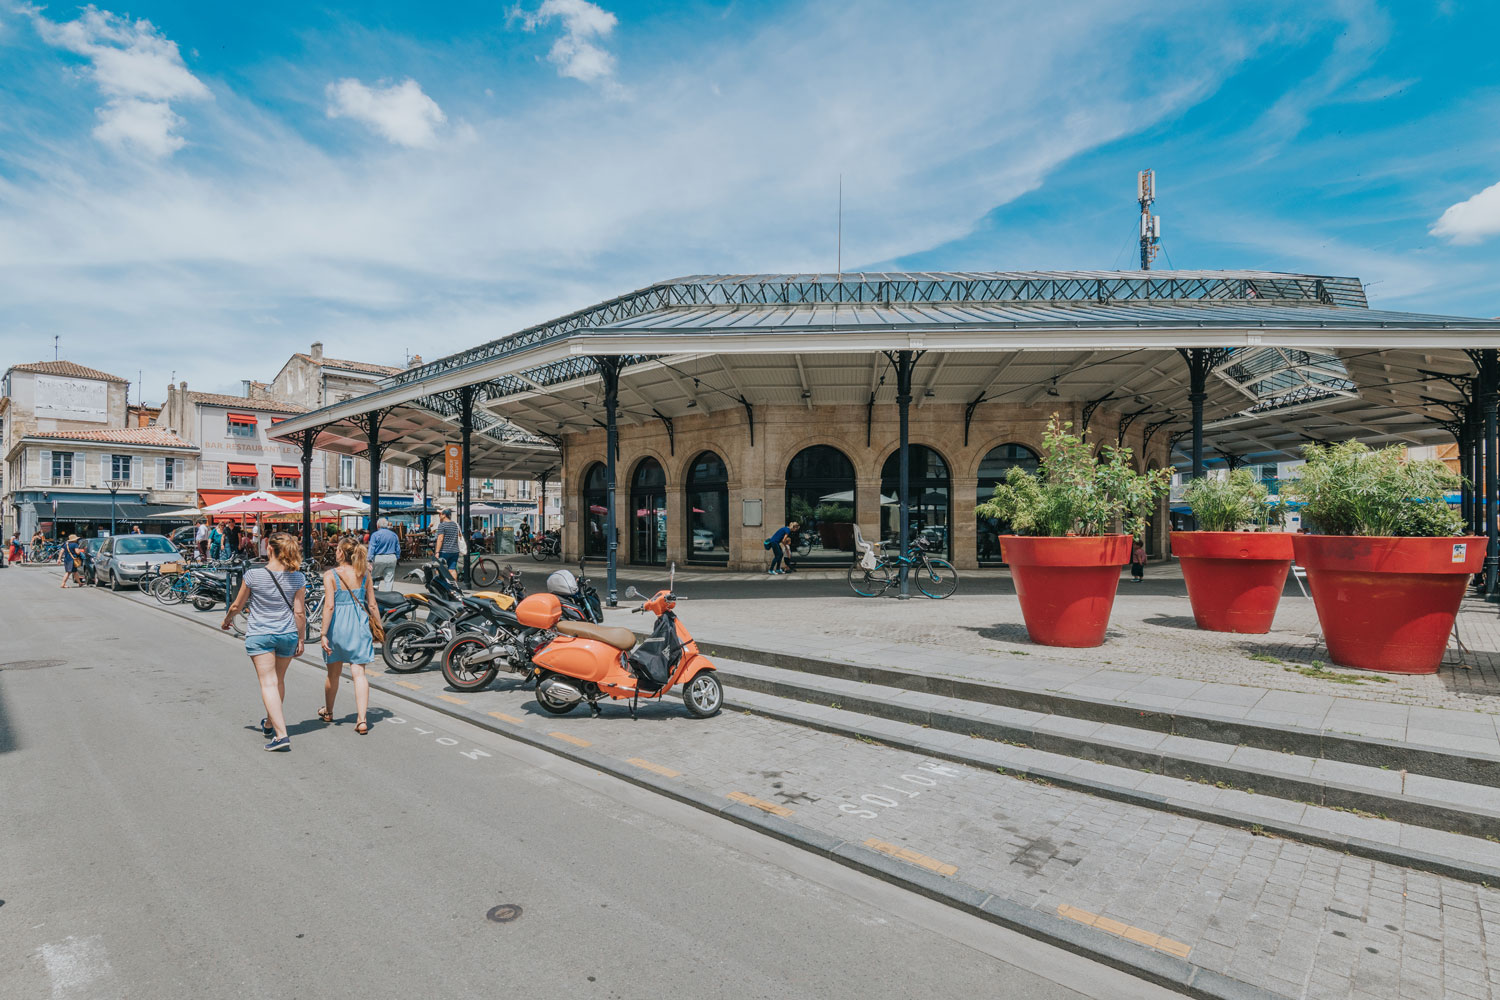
point(580, 661)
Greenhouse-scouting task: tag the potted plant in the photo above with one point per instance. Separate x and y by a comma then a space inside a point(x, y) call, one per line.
point(836, 525)
point(1387, 568)
point(1234, 576)
point(1069, 547)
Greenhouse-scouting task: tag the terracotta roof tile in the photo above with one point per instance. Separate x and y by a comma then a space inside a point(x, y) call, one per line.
point(353, 366)
point(246, 403)
point(118, 435)
point(66, 368)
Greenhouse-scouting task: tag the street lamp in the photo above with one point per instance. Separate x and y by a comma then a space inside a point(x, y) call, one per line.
point(113, 485)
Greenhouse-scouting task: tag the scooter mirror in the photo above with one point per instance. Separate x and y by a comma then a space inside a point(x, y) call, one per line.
point(631, 593)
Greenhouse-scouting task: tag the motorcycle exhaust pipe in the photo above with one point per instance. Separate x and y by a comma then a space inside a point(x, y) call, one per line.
point(492, 653)
point(559, 692)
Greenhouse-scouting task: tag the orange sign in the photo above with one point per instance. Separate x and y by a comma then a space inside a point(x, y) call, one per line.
point(453, 467)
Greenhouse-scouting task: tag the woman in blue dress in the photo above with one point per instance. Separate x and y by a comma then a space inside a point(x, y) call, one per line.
point(348, 609)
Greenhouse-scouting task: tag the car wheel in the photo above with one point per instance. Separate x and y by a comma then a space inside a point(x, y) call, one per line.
point(114, 582)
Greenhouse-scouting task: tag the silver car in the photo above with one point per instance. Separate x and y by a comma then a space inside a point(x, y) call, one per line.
point(123, 559)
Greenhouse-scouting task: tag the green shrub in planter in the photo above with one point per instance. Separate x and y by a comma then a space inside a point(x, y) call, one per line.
point(1238, 502)
point(1350, 490)
point(1075, 493)
point(834, 513)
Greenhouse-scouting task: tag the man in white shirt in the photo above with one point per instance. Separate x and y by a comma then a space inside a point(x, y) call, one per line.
point(201, 538)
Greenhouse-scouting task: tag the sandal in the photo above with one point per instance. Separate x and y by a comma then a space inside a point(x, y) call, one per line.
point(361, 727)
point(325, 715)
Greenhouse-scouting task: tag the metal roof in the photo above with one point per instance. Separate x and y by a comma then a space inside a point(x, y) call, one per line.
point(698, 343)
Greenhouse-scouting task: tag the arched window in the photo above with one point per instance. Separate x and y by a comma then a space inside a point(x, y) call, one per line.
point(820, 497)
point(708, 510)
point(595, 508)
point(648, 501)
point(928, 496)
point(993, 469)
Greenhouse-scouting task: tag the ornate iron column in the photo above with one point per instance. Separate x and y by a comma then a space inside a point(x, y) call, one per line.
point(370, 424)
point(425, 465)
point(609, 371)
point(1488, 363)
point(904, 361)
point(465, 432)
point(307, 456)
point(1200, 361)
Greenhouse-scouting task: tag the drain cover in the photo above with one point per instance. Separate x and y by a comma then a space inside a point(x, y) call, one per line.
point(30, 664)
point(504, 913)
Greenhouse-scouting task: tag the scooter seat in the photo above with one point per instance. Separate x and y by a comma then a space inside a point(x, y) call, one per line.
point(620, 638)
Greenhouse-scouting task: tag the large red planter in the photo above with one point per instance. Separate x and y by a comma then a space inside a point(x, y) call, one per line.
point(1234, 578)
point(1066, 585)
point(1388, 603)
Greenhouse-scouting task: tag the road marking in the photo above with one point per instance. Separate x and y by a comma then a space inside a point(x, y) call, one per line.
point(503, 717)
point(769, 807)
point(912, 857)
point(665, 772)
point(75, 966)
point(408, 684)
point(571, 739)
point(1115, 927)
point(452, 700)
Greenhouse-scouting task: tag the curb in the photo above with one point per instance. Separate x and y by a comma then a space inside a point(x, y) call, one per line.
point(1434, 762)
point(1139, 961)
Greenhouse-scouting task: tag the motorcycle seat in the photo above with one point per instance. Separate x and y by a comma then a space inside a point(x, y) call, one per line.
point(620, 638)
point(389, 599)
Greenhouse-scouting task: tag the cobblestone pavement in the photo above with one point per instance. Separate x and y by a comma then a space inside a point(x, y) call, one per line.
point(1301, 921)
point(1151, 633)
point(1297, 920)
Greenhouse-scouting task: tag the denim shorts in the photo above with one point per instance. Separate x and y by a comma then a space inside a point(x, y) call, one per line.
point(284, 644)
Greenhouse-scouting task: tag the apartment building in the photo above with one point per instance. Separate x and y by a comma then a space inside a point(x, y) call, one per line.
point(229, 433)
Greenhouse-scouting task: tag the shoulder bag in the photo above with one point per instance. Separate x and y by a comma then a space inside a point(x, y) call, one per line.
point(307, 625)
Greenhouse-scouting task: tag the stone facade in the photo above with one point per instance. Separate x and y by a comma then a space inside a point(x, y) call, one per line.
point(759, 472)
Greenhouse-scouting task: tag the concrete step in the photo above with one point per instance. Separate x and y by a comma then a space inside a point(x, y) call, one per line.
point(1406, 844)
point(1195, 723)
point(1378, 792)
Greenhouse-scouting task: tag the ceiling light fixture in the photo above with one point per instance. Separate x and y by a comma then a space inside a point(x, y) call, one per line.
point(807, 394)
point(1052, 389)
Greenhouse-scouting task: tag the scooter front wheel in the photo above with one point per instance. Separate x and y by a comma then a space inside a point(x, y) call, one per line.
point(704, 695)
point(457, 670)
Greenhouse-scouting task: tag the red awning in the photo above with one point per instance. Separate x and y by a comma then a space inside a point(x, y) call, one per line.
point(242, 418)
point(286, 472)
point(241, 469)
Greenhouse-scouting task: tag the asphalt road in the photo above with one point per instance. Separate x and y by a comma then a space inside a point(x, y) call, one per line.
point(151, 849)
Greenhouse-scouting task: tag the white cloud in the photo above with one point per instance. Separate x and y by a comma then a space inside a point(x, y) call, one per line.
point(578, 53)
point(401, 112)
point(137, 68)
point(1470, 221)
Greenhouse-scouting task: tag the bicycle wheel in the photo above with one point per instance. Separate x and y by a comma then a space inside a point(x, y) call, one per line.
point(485, 572)
point(869, 582)
point(936, 578)
point(161, 589)
point(539, 552)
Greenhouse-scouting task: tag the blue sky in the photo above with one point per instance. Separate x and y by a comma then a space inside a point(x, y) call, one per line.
point(205, 188)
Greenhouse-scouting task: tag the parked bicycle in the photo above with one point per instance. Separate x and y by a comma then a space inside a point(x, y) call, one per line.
point(547, 545)
point(874, 573)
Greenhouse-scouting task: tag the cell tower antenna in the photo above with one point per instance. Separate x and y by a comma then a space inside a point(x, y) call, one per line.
point(1145, 189)
point(55, 340)
point(841, 229)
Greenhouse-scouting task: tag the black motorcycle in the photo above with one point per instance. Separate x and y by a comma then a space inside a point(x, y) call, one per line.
point(412, 643)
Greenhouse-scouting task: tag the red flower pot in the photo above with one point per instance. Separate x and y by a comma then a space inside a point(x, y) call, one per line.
point(1234, 578)
point(1066, 585)
point(1388, 603)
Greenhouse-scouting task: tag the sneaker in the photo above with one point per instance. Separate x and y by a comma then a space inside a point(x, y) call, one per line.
point(265, 728)
point(285, 743)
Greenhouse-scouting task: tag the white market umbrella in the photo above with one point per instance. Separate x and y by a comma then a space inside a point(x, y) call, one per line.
point(847, 496)
point(341, 502)
point(184, 512)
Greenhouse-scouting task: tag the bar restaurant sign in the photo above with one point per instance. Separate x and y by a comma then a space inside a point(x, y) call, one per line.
point(453, 467)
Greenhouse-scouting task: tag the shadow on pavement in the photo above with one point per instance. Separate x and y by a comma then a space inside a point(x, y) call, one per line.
point(9, 738)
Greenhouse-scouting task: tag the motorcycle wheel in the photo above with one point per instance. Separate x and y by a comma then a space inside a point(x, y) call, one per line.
point(204, 603)
point(550, 708)
point(704, 695)
point(456, 669)
point(397, 656)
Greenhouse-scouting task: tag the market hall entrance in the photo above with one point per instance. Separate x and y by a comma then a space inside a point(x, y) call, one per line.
point(820, 495)
point(648, 499)
point(928, 496)
point(993, 469)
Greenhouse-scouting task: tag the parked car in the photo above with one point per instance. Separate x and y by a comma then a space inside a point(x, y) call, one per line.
point(703, 540)
point(90, 552)
point(123, 559)
point(183, 537)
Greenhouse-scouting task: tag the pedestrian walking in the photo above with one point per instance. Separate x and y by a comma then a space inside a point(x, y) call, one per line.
point(351, 627)
point(448, 538)
point(216, 542)
point(17, 551)
point(780, 545)
point(1138, 561)
point(72, 560)
point(200, 539)
point(385, 551)
point(277, 597)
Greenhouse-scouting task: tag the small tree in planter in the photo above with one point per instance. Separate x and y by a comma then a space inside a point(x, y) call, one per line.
point(1067, 553)
point(1388, 570)
point(1234, 575)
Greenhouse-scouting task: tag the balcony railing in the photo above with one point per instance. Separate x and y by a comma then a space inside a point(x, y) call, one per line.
point(62, 480)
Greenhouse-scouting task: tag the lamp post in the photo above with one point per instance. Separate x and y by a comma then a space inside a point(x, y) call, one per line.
point(114, 487)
